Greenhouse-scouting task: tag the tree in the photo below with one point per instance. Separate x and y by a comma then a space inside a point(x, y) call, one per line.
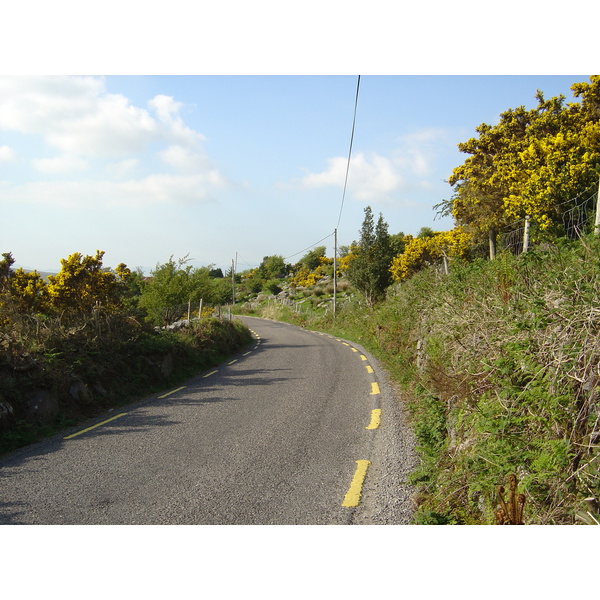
point(561, 159)
point(273, 267)
point(312, 259)
point(425, 232)
point(6, 270)
point(423, 251)
point(24, 291)
point(29, 292)
point(397, 242)
point(83, 284)
point(533, 162)
point(172, 284)
point(368, 270)
point(484, 180)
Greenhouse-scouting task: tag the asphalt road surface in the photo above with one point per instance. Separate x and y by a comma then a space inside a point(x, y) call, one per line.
point(302, 428)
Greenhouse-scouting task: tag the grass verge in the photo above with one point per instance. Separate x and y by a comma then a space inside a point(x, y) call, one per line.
point(77, 376)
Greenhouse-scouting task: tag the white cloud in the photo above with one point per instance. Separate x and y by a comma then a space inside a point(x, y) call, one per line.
point(90, 129)
point(368, 177)
point(7, 154)
point(416, 151)
point(374, 177)
point(184, 159)
point(123, 168)
point(176, 130)
point(60, 164)
point(77, 116)
point(151, 190)
point(171, 188)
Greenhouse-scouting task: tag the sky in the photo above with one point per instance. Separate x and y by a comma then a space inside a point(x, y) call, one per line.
point(222, 168)
point(221, 132)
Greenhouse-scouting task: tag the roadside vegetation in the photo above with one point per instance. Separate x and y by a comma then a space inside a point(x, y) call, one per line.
point(497, 364)
point(90, 338)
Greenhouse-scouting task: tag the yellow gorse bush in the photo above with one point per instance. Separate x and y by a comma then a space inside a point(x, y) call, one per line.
point(421, 252)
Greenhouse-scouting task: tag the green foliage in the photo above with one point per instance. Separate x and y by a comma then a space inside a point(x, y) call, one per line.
point(273, 267)
point(369, 268)
point(176, 283)
point(312, 259)
point(5, 270)
point(397, 243)
point(272, 287)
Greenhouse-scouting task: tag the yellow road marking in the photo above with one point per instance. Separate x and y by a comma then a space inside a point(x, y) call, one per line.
point(352, 497)
point(369, 368)
point(375, 419)
point(233, 361)
point(363, 357)
point(172, 392)
point(246, 353)
point(345, 344)
point(354, 350)
point(94, 426)
point(209, 374)
point(375, 388)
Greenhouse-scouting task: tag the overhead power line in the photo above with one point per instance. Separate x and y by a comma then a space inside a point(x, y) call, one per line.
point(349, 152)
point(310, 247)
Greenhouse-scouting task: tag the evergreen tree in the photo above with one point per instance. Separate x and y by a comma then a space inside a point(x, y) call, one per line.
point(369, 270)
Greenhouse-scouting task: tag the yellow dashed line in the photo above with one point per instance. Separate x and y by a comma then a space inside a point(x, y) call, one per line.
point(375, 388)
point(352, 497)
point(209, 374)
point(369, 368)
point(246, 353)
point(375, 419)
point(94, 426)
point(233, 361)
point(363, 357)
point(172, 392)
point(354, 350)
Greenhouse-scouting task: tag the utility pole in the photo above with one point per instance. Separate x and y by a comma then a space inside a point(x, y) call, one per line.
point(233, 279)
point(334, 271)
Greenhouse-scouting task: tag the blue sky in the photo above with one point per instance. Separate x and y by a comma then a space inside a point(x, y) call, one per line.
point(225, 167)
point(239, 150)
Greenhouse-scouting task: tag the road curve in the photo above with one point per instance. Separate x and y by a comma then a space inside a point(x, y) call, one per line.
point(302, 428)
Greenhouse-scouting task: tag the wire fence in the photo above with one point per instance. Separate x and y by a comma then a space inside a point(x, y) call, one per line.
point(577, 217)
point(180, 315)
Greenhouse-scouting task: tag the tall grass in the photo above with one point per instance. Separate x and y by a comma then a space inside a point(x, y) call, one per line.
point(499, 365)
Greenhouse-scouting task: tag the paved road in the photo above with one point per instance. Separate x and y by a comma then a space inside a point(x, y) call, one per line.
point(285, 433)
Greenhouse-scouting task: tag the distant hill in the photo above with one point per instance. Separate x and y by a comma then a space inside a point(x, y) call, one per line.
point(43, 274)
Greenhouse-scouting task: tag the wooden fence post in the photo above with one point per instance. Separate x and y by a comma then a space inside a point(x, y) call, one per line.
point(526, 234)
point(597, 222)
